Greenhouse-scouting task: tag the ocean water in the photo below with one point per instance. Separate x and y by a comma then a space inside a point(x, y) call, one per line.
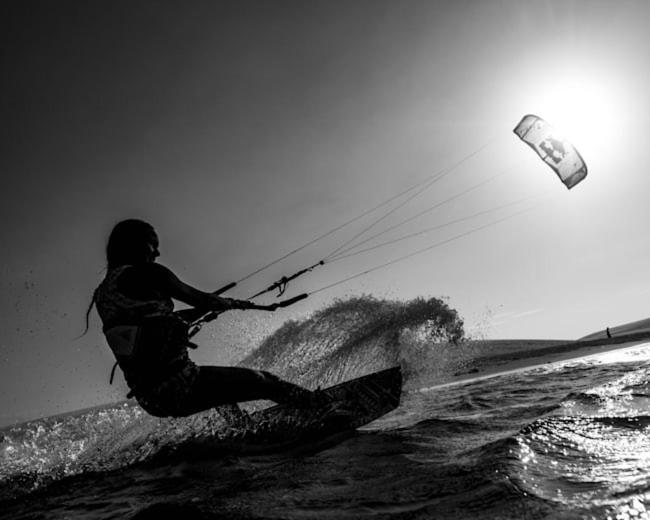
point(560, 441)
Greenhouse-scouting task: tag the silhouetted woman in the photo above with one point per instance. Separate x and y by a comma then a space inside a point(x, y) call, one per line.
point(150, 341)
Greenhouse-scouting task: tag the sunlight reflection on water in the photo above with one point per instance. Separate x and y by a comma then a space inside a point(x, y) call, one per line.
point(593, 452)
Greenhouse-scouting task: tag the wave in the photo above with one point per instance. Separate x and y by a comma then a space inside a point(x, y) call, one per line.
point(576, 460)
point(354, 337)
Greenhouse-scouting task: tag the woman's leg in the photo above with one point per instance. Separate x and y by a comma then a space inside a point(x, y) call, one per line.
point(216, 386)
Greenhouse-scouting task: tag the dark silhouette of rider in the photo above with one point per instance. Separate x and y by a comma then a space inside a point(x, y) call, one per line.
point(150, 341)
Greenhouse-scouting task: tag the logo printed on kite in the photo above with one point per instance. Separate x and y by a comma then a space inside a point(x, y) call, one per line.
point(554, 149)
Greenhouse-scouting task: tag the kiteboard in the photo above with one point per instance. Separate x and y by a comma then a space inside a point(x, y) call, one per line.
point(286, 429)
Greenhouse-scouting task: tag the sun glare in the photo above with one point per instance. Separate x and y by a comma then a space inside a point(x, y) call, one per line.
point(585, 111)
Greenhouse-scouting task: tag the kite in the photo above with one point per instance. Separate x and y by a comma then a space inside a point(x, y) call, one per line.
point(554, 150)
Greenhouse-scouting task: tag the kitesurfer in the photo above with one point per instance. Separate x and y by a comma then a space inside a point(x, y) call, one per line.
point(150, 341)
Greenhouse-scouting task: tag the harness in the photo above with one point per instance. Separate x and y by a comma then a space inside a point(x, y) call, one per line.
point(148, 340)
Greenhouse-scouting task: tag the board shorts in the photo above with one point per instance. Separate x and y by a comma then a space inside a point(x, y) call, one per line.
point(172, 397)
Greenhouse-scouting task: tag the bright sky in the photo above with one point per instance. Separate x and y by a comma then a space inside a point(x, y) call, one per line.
point(242, 130)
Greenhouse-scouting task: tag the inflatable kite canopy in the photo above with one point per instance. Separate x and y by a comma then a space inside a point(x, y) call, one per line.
point(554, 150)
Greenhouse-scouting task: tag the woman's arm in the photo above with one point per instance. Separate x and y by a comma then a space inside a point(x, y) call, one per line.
point(200, 300)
